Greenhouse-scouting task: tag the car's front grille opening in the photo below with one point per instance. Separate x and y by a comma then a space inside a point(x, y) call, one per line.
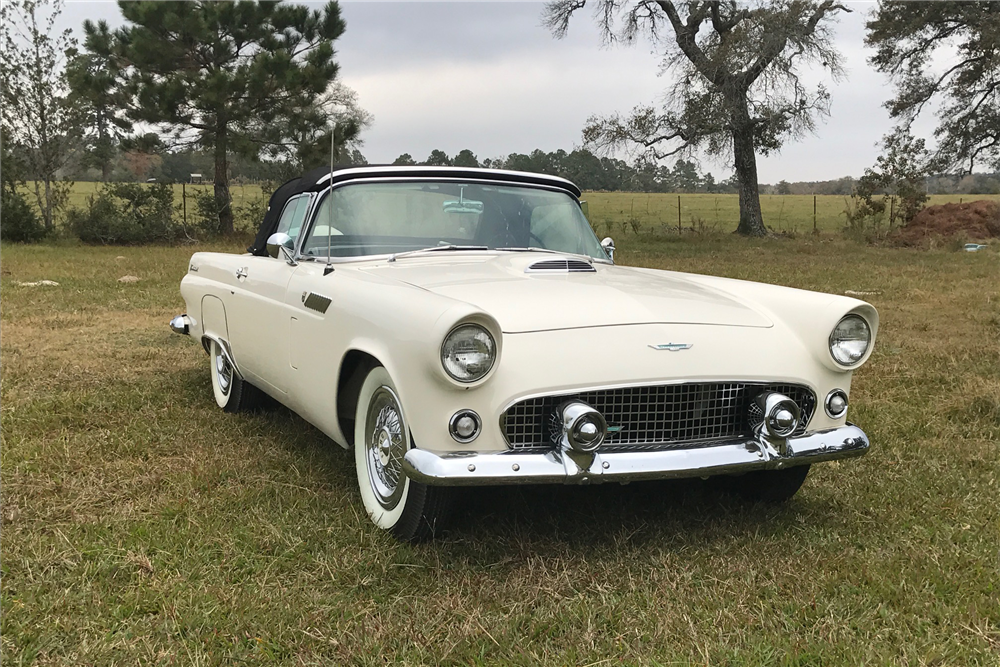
point(670, 416)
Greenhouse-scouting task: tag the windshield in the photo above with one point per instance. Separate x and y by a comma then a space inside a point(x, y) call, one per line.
point(384, 218)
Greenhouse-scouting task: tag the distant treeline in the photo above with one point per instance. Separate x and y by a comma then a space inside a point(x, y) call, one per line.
point(583, 167)
point(946, 184)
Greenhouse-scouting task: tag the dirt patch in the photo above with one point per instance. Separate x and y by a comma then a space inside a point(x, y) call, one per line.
point(974, 221)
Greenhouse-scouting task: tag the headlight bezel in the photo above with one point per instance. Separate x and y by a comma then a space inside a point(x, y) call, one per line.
point(494, 353)
point(849, 364)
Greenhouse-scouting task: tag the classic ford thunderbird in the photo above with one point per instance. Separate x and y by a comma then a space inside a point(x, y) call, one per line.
point(464, 327)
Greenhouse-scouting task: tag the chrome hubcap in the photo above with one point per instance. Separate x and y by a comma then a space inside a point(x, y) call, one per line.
point(224, 370)
point(385, 446)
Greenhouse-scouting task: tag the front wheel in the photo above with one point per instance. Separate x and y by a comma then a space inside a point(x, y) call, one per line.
point(769, 486)
point(409, 510)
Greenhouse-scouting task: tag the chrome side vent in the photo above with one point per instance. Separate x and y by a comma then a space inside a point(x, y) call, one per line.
point(561, 266)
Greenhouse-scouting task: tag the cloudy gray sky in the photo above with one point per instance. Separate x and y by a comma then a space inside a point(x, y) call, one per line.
point(486, 76)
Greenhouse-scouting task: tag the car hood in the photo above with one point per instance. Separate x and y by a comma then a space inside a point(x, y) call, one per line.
point(523, 301)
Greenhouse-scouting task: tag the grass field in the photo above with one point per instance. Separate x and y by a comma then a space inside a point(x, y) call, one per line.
point(619, 213)
point(611, 213)
point(141, 525)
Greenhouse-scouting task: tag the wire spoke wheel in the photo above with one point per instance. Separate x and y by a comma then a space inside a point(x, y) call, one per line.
point(409, 510)
point(385, 445)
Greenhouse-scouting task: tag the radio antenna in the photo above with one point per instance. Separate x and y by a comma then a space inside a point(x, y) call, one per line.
point(329, 223)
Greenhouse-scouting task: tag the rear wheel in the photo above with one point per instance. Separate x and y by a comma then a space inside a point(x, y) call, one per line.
point(409, 510)
point(232, 393)
point(770, 486)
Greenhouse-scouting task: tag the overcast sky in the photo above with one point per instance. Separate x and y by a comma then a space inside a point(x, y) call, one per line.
point(486, 76)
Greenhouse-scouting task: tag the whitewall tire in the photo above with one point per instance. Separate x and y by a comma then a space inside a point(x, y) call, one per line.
point(232, 392)
point(411, 511)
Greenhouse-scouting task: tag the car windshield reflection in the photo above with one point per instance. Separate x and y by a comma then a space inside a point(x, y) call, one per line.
point(402, 217)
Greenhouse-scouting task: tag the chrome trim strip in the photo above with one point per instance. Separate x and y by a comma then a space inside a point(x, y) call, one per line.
point(554, 467)
point(487, 174)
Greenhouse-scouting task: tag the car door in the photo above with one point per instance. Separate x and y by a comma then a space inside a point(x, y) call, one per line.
point(317, 339)
point(258, 323)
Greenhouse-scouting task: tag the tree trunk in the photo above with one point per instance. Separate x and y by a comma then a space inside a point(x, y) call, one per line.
point(745, 164)
point(222, 202)
point(47, 211)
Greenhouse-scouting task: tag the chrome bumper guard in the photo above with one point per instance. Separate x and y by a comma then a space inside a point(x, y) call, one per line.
point(569, 467)
point(181, 325)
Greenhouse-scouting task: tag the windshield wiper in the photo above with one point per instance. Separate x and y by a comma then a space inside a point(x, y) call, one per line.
point(515, 249)
point(437, 248)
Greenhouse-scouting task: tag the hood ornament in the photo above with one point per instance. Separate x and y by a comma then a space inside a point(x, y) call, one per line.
point(673, 347)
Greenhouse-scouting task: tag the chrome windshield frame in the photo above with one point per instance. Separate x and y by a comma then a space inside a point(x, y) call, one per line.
point(317, 202)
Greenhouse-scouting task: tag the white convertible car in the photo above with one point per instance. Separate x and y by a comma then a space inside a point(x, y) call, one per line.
point(465, 327)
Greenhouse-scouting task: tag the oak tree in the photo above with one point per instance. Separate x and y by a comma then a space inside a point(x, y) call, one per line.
point(944, 55)
point(738, 87)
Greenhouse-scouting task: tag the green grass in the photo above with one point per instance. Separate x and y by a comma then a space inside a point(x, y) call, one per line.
point(141, 525)
point(619, 213)
point(614, 213)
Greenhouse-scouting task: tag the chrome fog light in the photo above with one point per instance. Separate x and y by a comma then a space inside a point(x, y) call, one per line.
point(836, 403)
point(465, 425)
point(780, 414)
point(583, 427)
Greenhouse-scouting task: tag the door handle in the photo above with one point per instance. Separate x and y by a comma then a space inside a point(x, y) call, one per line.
point(241, 273)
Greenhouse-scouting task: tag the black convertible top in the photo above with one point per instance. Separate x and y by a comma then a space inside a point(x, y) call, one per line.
point(320, 179)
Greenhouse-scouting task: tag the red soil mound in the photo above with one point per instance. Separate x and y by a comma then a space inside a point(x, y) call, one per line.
point(975, 221)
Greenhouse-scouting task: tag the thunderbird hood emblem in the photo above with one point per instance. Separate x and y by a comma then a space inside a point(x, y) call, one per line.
point(673, 347)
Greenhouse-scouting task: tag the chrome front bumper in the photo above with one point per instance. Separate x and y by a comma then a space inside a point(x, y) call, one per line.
point(569, 467)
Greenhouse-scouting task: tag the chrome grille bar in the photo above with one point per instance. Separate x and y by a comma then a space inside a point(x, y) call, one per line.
point(668, 416)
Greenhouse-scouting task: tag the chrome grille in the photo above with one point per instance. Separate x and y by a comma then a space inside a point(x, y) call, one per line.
point(670, 416)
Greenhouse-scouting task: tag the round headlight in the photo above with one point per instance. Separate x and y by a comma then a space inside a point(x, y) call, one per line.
point(468, 353)
point(849, 340)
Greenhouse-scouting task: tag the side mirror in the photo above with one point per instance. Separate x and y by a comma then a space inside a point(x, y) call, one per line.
point(609, 247)
point(585, 207)
point(281, 243)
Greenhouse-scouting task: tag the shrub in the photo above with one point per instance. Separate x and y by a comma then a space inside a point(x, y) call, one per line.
point(127, 213)
point(893, 192)
point(20, 222)
point(249, 212)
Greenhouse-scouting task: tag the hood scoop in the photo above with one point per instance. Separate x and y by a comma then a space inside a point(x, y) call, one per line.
point(561, 266)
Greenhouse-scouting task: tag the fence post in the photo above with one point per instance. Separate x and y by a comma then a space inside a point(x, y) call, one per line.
point(815, 229)
point(678, 214)
point(184, 202)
